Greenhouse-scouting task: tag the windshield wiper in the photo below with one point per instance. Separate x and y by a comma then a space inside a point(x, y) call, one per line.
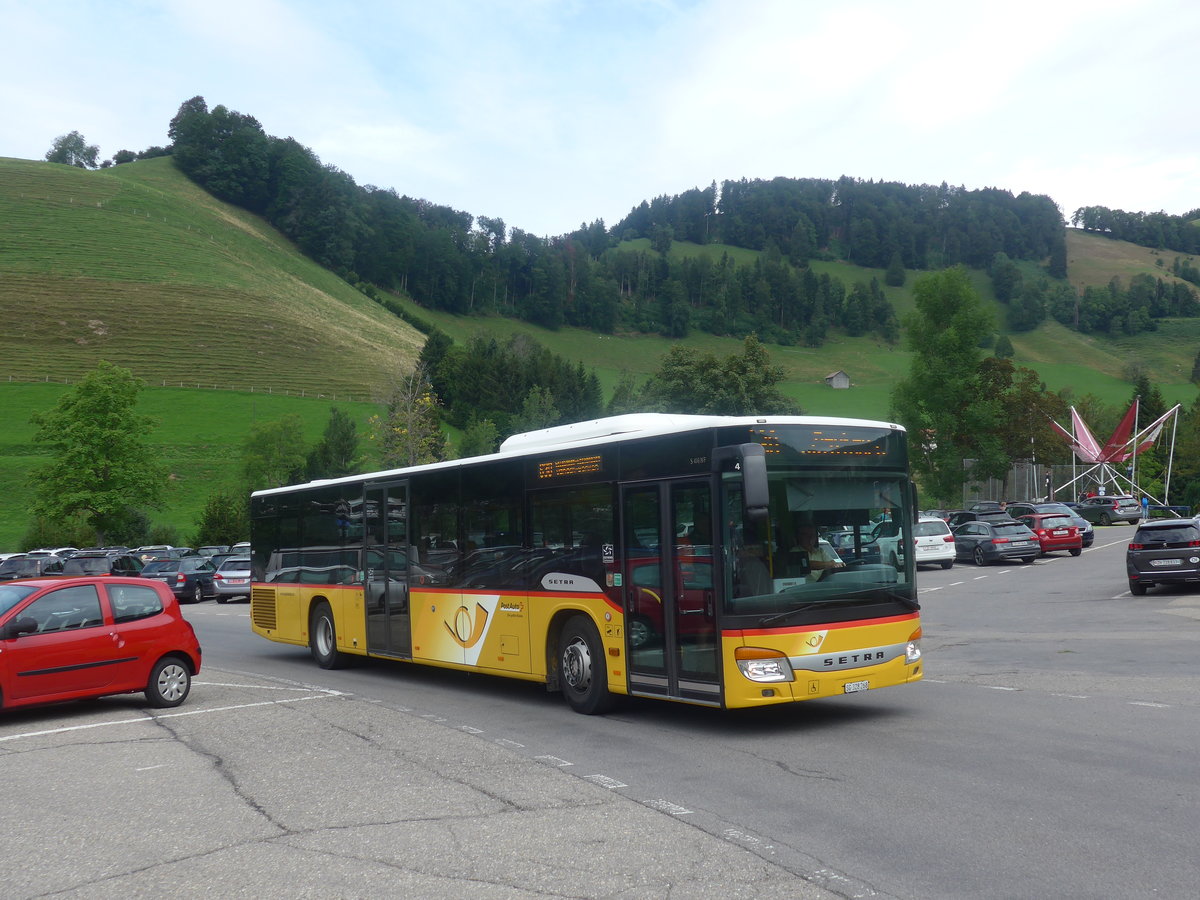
point(852, 597)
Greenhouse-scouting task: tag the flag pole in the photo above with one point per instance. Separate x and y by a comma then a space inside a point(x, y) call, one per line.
point(1170, 460)
point(1137, 408)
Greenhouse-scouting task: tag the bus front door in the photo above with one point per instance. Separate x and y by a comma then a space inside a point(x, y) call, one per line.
point(670, 592)
point(385, 569)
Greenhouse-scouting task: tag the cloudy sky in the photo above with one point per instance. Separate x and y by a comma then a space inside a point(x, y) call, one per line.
point(552, 113)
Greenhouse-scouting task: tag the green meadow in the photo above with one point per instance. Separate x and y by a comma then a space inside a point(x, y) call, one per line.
point(197, 433)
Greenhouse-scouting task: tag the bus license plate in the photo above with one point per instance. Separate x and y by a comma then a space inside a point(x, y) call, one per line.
point(855, 686)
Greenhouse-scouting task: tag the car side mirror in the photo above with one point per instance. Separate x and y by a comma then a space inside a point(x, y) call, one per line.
point(18, 627)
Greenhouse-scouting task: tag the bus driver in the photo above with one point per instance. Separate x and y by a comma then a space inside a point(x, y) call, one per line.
point(821, 557)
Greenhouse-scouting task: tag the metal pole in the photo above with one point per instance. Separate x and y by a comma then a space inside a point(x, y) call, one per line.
point(1137, 408)
point(1170, 459)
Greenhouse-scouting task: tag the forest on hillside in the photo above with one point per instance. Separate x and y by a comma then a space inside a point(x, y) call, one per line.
point(594, 278)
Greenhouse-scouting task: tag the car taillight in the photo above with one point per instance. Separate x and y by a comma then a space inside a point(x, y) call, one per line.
point(948, 539)
point(1137, 546)
point(1000, 540)
point(1194, 543)
point(1041, 532)
point(180, 578)
point(217, 576)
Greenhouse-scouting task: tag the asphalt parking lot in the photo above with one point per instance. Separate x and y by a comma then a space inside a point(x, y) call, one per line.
point(267, 789)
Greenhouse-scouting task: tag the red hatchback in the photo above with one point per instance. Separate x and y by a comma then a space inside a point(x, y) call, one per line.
point(1055, 531)
point(72, 638)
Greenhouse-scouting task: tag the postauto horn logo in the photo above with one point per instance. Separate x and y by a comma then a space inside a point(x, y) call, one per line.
point(467, 628)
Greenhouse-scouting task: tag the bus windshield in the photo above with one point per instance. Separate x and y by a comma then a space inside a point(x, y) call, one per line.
point(828, 537)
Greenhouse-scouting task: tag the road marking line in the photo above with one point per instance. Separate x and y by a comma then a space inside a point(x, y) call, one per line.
point(194, 712)
point(668, 807)
point(1151, 705)
point(264, 687)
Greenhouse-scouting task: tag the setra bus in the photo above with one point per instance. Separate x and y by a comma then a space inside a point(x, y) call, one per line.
point(722, 561)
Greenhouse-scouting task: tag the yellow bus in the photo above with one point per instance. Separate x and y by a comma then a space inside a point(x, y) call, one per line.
point(720, 561)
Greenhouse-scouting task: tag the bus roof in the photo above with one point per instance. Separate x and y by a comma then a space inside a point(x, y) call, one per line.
point(593, 432)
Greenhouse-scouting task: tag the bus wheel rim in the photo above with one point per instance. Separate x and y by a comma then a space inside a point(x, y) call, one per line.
point(577, 664)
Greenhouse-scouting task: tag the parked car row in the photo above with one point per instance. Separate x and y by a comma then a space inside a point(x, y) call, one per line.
point(994, 531)
point(191, 577)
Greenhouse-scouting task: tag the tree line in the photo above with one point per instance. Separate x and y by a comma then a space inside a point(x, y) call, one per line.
point(1113, 309)
point(449, 260)
point(869, 223)
point(1156, 230)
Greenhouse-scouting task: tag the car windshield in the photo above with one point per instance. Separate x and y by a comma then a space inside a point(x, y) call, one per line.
point(926, 529)
point(11, 595)
point(1056, 522)
point(235, 564)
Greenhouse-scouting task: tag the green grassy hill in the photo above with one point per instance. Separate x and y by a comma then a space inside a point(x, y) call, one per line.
point(137, 265)
point(229, 325)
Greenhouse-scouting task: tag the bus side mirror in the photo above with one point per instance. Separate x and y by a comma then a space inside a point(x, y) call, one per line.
point(754, 481)
point(751, 461)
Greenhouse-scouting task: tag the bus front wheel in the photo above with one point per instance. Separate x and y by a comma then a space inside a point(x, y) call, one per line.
point(322, 639)
point(581, 667)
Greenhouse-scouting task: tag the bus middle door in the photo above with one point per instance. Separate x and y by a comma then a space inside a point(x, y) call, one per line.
point(385, 569)
point(669, 590)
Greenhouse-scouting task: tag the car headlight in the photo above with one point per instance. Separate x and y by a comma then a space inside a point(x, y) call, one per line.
point(762, 665)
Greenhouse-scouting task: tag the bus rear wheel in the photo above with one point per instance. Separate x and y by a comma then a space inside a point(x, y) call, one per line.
point(581, 669)
point(322, 639)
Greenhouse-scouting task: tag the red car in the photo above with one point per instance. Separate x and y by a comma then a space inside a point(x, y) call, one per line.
point(694, 613)
point(1055, 531)
point(69, 638)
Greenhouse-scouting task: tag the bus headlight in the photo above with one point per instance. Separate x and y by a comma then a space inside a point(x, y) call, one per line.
point(762, 665)
point(912, 651)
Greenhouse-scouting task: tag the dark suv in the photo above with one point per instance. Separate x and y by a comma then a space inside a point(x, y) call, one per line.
point(1163, 551)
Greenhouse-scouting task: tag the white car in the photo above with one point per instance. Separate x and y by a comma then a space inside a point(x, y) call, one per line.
point(933, 544)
